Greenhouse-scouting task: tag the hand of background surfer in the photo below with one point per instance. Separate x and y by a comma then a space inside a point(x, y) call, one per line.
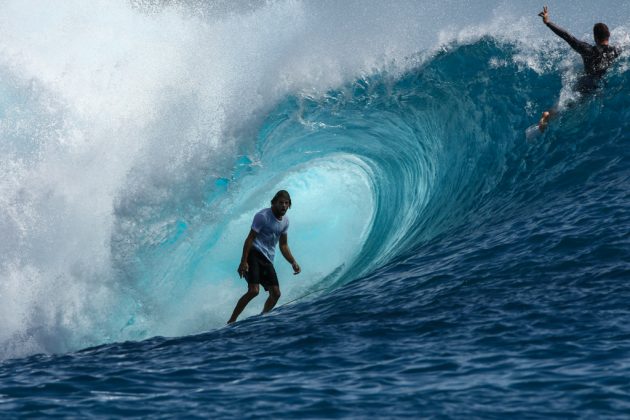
point(242, 269)
point(544, 15)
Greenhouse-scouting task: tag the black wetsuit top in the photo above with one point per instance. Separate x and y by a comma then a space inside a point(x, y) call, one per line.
point(597, 58)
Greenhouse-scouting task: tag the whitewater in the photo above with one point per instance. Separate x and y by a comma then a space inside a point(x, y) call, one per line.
point(450, 266)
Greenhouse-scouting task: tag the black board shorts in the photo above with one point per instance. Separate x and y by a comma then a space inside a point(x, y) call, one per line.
point(261, 270)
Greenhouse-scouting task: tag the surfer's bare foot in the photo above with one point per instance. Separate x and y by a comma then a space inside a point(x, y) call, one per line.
point(544, 121)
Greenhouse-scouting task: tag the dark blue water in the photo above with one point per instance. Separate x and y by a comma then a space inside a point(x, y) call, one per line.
point(488, 278)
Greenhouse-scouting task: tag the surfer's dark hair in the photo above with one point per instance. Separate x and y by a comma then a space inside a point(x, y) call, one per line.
point(281, 194)
point(601, 32)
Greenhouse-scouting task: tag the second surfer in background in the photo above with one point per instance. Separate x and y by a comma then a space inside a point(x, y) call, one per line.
point(597, 58)
point(270, 225)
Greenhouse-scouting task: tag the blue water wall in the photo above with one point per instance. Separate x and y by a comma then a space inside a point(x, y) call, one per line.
point(138, 139)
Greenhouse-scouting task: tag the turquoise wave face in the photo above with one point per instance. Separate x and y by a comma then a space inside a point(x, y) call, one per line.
point(436, 141)
point(376, 170)
point(477, 272)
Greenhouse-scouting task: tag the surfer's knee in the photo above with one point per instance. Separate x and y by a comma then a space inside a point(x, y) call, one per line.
point(252, 291)
point(274, 292)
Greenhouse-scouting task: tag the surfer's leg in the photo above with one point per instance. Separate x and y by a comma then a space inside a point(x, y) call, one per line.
point(274, 295)
point(546, 116)
point(252, 292)
point(584, 88)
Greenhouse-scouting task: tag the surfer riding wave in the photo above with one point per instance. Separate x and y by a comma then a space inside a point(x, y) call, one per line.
point(597, 58)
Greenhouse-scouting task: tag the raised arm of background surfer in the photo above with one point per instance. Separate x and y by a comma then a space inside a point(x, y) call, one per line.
point(597, 58)
point(580, 47)
point(270, 225)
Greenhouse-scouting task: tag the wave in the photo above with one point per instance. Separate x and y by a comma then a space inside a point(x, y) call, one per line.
point(130, 180)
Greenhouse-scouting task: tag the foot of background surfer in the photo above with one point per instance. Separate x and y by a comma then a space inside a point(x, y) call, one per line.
point(536, 130)
point(544, 121)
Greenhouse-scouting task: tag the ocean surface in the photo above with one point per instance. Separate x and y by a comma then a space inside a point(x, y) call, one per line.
point(451, 268)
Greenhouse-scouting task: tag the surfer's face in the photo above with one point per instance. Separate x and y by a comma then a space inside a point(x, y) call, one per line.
point(280, 206)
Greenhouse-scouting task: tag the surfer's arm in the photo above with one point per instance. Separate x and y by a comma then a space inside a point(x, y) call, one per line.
point(247, 246)
point(579, 46)
point(286, 253)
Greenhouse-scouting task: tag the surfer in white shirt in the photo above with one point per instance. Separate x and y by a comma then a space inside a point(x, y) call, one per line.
point(269, 227)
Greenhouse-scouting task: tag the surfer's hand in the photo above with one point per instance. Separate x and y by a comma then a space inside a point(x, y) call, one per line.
point(243, 268)
point(296, 267)
point(544, 15)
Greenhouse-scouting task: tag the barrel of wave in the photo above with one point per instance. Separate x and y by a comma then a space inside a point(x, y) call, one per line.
point(330, 219)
